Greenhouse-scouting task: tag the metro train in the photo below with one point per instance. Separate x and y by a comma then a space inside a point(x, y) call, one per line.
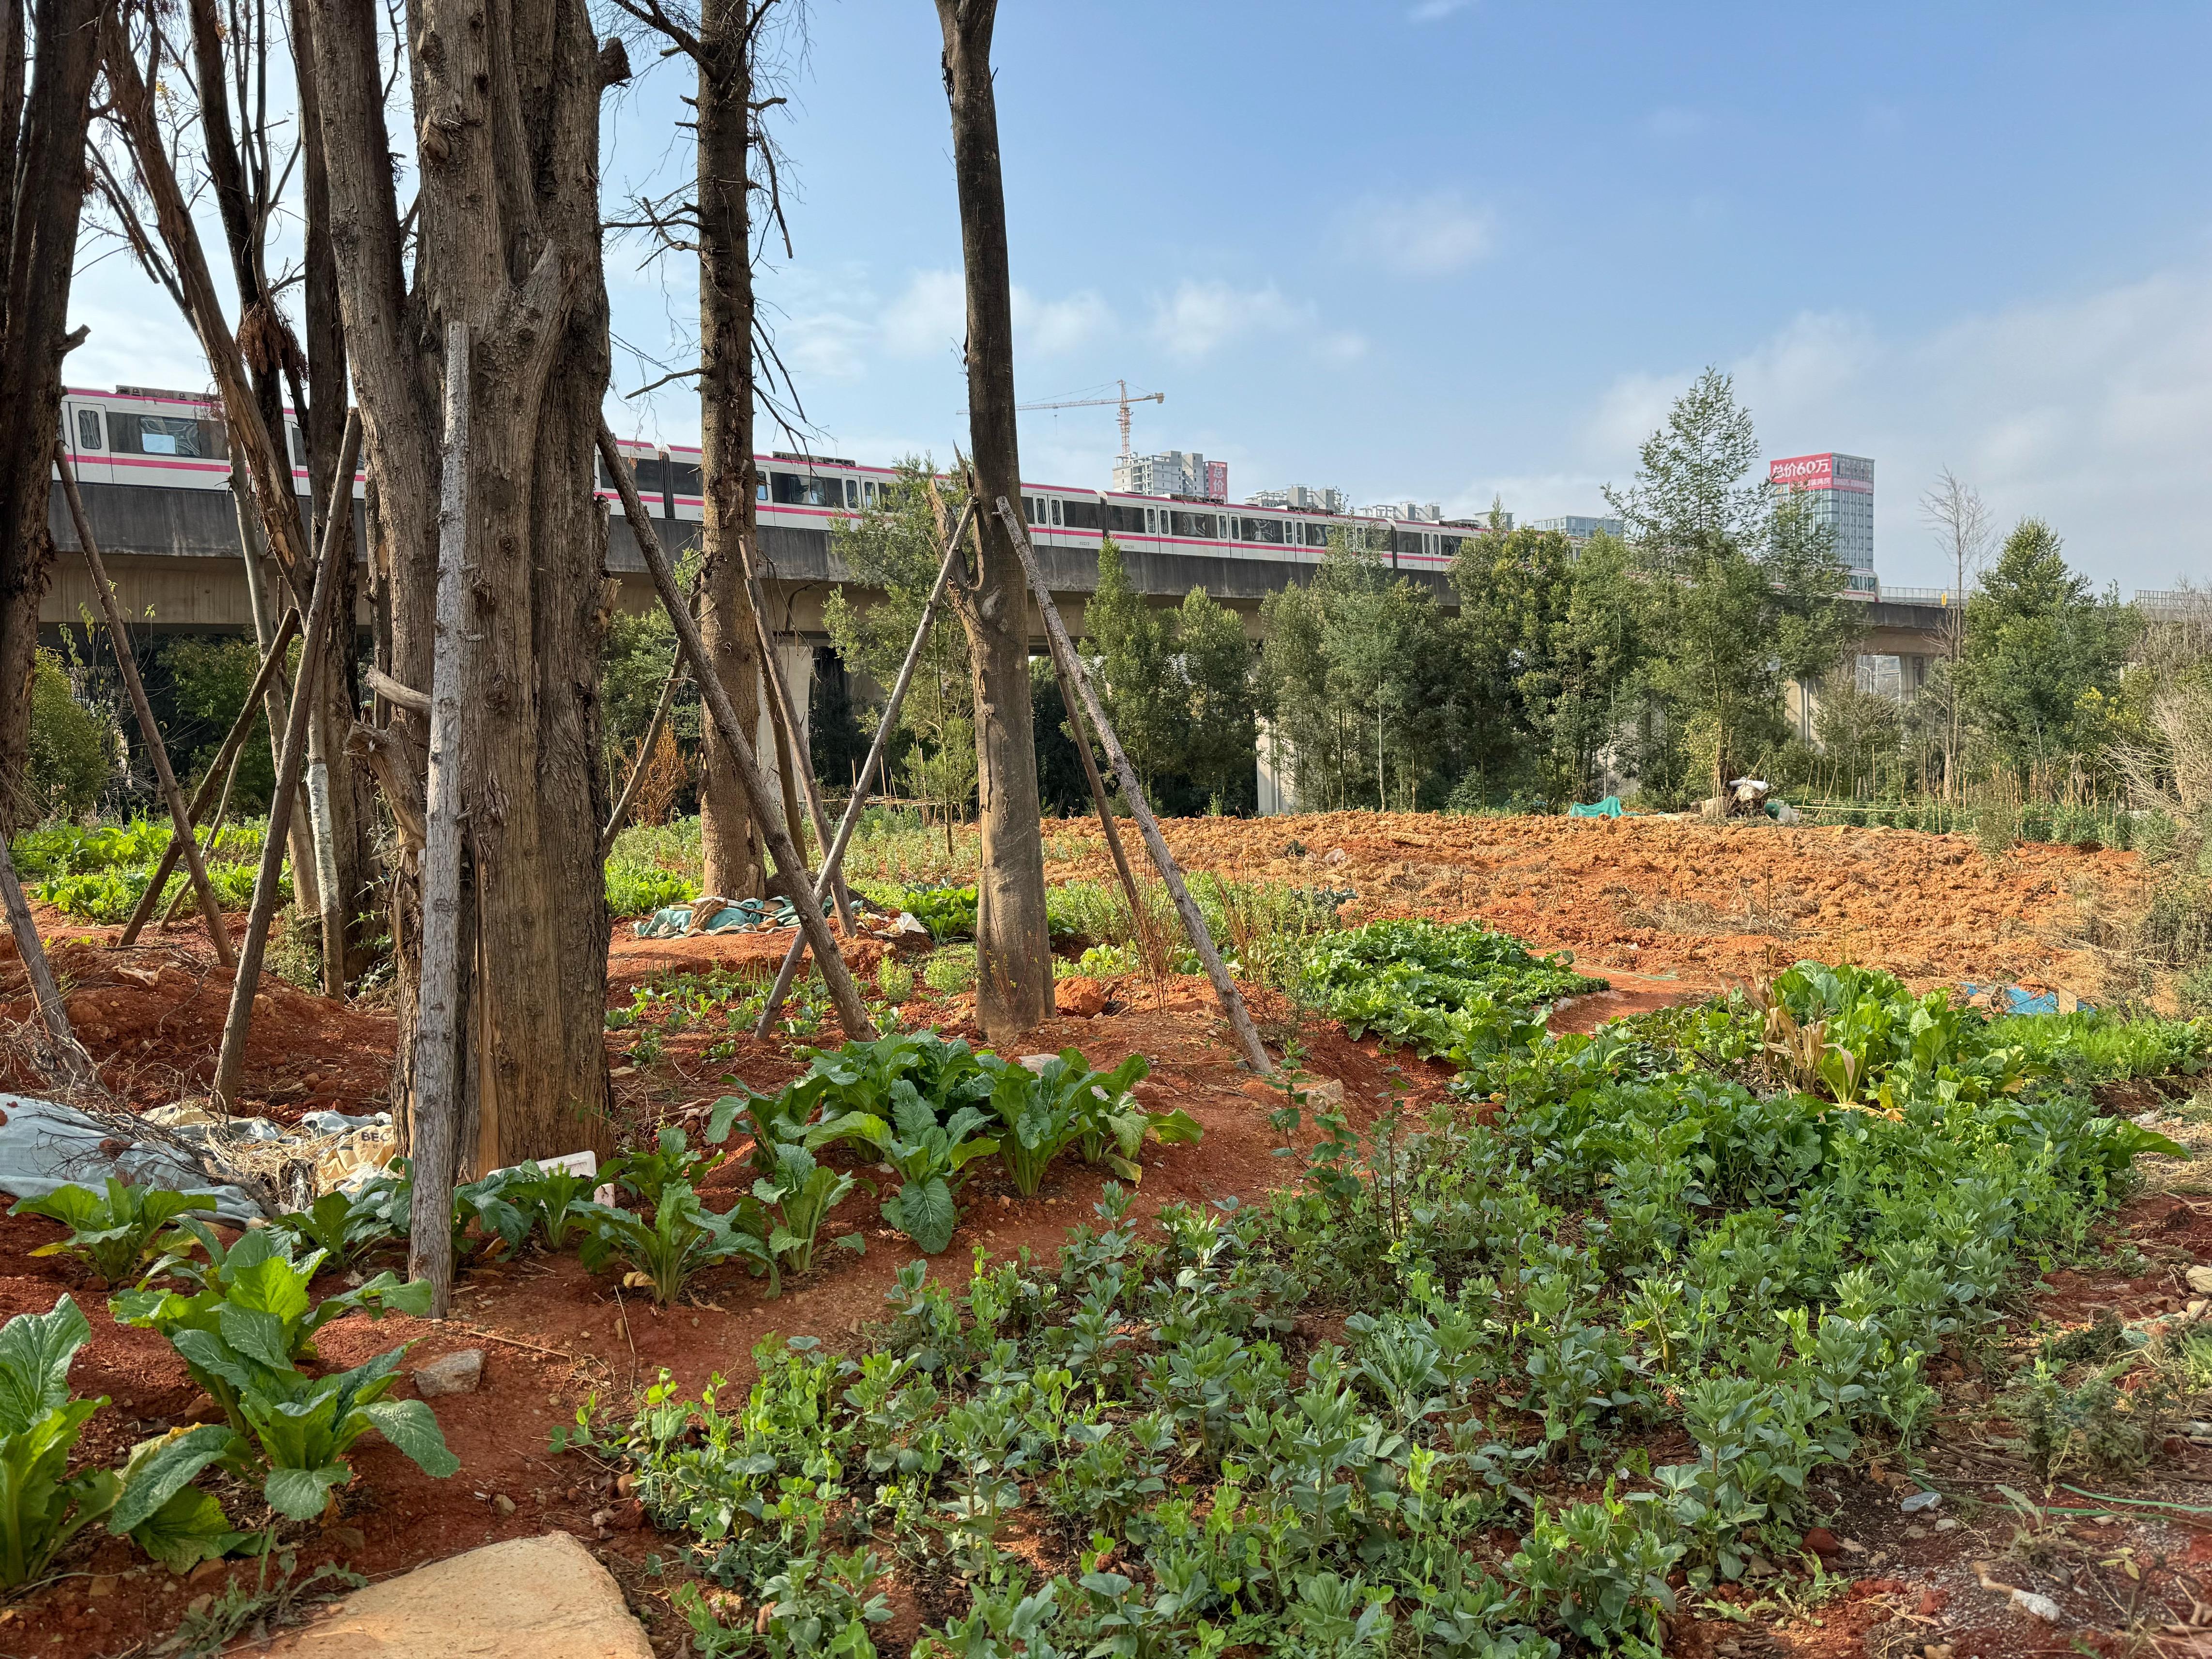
point(177, 440)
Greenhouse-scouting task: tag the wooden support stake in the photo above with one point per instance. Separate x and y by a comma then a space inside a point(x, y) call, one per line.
point(230, 1064)
point(215, 832)
point(1225, 989)
point(621, 812)
point(226, 762)
point(790, 869)
point(799, 759)
point(434, 1115)
point(157, 751)
point(1063, 671)
point(73, 1066)
point(833, 860)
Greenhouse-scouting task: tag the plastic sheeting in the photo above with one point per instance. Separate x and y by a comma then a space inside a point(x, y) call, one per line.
point(746, 916)
point(44, 1145)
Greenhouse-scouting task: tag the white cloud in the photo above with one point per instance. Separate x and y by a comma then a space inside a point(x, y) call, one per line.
point(931, 316)
point(2088, 410)
point(1434, 11)
point(1430, 235)
point(1200, 317)
point(1050, 328)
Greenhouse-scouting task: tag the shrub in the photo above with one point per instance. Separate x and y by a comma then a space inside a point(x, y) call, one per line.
point(72, 750)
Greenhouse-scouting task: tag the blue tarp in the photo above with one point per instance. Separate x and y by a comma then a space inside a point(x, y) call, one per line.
point(1608, 808)
point(2019, 999)
point(746, 916)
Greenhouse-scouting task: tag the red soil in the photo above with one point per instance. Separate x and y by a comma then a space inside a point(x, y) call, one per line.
point(1705, 902)
point(1689, 906)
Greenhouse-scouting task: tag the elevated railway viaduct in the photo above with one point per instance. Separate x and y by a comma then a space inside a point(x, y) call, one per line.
point(175, 556)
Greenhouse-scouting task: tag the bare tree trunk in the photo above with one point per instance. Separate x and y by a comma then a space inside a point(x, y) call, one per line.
point(341, 856)
point(437, 1029)
point(724, 47)
point(506, 108)
point(42, 195)
point(1013, 948)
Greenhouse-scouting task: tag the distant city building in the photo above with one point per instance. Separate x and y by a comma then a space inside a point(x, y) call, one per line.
point(1418, 512)
point(1173, 472)
point(1577, 528)
point(1303, 498)
point(1842, 490)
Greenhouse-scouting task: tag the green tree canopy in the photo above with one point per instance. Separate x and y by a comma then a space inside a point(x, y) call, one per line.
point(894, 547)
point(2039, 642)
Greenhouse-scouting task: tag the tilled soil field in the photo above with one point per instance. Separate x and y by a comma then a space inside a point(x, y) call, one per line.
point(1706, 902)
point(1663, 909)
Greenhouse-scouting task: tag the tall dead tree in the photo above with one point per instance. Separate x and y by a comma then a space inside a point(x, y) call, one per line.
point(42, 144)
point(230, 55)
point(722, 39)
point(1013, 947)
point(506, 105)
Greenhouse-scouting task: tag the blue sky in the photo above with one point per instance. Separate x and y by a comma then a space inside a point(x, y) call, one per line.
point(1438, 250)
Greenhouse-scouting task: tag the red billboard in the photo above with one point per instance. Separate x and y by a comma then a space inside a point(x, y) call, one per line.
point(1817, 472)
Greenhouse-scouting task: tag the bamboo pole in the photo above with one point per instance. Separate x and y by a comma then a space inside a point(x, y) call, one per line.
point(157, 751)
point(230, 1064)
point(789, 746)
point(790, 869)
point(644, 754)
point(216, 826)
point(1225, 989)
point(833, 860)
point(74, 1064)
point(225, 761)
point(1064, 673)
point(434, 1116)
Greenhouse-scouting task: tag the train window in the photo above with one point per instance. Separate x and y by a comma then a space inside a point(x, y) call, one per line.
point(651, 473)
point(1055, 512)
point(87, 429)
point(1316, 534)
point(1125, 520)
point(1448, 545)
point(852, 492)
point(790, 489)
point(686, 478)
point(1194, 523)
point(1269, 531)
point(760, 488)
point(167, 434)
point(1405, 541)
point(1080, 515)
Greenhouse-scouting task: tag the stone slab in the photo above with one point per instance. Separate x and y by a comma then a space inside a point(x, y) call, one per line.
point(528, 1598)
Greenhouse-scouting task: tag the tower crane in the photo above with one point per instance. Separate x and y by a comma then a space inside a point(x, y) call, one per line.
point(1121, 402)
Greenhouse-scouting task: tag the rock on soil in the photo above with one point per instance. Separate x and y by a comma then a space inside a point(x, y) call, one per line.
point(529, 1598)
point(451, 1373)
point(1079, 997)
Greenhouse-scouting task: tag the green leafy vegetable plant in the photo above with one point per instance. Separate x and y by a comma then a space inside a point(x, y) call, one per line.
point(683, 1238)
point(115, 1234)
point(295, 1430)
point(929, 1158)
point(255, 1300)
point(42, 1505)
